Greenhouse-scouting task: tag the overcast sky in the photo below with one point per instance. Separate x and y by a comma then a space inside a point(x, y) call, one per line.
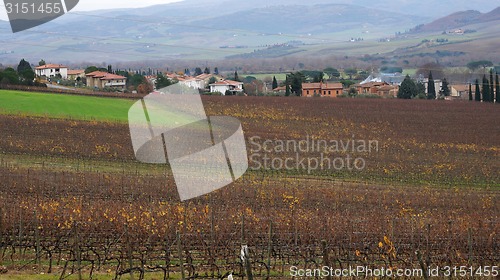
point(89, 5)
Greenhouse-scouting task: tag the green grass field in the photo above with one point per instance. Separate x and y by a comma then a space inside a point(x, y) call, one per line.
point(64, 106)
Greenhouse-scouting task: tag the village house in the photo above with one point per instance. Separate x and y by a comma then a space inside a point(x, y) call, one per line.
point(227, 86)
point(100, 80)
point(382, 89)
point(322, 89)
point(460, 91)
point(208, 78)
point(194, 83)
point(370, 87)
point(280, 90)
point(51, 71)
point(73, 75)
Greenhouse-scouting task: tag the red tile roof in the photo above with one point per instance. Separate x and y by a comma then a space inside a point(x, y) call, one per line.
point(323, 86)
point(75, 72)
point(50, 66)
point(105, 76)
point(227, 82)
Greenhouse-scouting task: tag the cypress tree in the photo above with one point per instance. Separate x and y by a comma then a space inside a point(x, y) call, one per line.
point(287, 86)
point(470, 91)
point(486, 89)
point(497, 89)
point(478, 91)
point(492, 87)
point(431, 88)
point(445, 89)
point(275, 82)
point(236, 78)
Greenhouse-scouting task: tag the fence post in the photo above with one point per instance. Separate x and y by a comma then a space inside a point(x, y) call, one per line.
point(179, 251)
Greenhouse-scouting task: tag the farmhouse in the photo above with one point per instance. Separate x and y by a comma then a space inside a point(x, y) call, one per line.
point(100, 80)
point(370, 87)
point(460, 91)
point(322, 89)
point(51, 71)
point(227, 86)
point(192, 82)
point(75, 74)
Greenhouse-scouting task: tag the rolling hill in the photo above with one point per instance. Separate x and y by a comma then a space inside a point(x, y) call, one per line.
point(460, 19)
point(217, 29)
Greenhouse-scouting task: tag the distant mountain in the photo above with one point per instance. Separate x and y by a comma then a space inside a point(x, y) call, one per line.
point(302, 19)
point(460, 19)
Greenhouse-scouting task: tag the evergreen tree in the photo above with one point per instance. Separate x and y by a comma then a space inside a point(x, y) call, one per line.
point(9, 76)
point(431, 87)
point(421, 90)
point(162, 81)
point(207, 70)
point(197, 71)
point(408, 88)
point(497, 87)
point(110, 69)
point(478, 91)
point(275, 82)
point(295, 81)
point(318, 78)
point(41, 62)
point(236, 78)
point(216, 71)
point(23, 65)
point(287, 86)
point(470, 91)
point(445, 89)
point(486, 89)
point(187, 72)
point(492, 87)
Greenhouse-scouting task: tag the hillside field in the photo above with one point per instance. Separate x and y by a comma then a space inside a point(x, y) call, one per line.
point(64, 106)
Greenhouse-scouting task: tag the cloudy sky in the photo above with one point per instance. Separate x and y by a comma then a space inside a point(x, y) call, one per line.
point(89, 5)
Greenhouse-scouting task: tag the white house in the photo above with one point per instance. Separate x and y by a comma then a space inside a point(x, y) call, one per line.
point(193, 83)
point(52, 70)
point(226, 85)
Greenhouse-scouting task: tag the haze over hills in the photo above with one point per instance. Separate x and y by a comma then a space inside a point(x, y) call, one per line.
point(215, 29)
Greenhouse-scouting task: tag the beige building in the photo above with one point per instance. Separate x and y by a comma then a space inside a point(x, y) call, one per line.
point(75, 74)
point(322, 89)
point(100, 80)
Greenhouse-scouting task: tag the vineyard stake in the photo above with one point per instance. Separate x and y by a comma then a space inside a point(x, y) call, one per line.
point(129, 252)
point(428, 260)
point(469, 242)
point(326, 259)
point(1, 229)
point(37, 236)
point(179, 251)
point(269, 249)
point(78, 254)
point(242, 228)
